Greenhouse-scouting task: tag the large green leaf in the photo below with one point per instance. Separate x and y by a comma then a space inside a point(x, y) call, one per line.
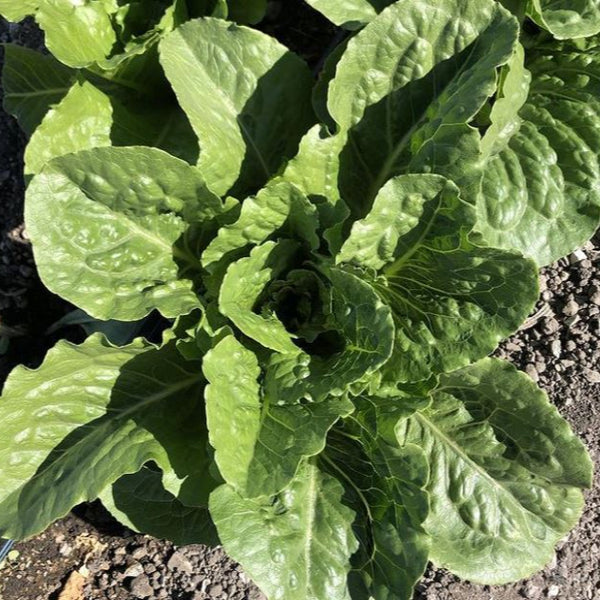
point(247, 98)
point(362, 329)
point(505, 473)
point(541, 192)
point(296, 546)
point(452, 301)
point(16, 10)
point(385, 486)
point(81, 121)
point(78, 34)
point(419, 73)
point(564, 20)
point(259, 444)
point(104, 223)
point(278, 206)
point(95, 410)
point(140, 501)
point(32, 82)
point(350, 14)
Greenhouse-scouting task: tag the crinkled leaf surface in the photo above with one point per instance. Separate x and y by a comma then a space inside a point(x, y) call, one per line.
point(566, 19)
point(541, 193)
point(419, 73)
point(277, 205)
point(97, 410)
point(140, 501)
point(505, 473)
point(296, 546)
point(365, 331)
point(103, 224)
point(350, 13)
point(452, 301)
point(81, 121)
point(384, 484)
point(247, 98)
point(32, 82)
point(258, 444)
point(78, 34)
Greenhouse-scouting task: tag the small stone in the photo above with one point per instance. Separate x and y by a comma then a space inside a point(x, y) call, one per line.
point(139, 553)
point(532, 591)
point(133, 570)
point(550, 326)
point(532, 372)
point(571, 308)
point(180, 562)
point(570, 345)
point(141, 588)
point(591, 375)
point(595, 298)
point(577, 256)
point(553, 591)
point(555, 348)
point(215, 590)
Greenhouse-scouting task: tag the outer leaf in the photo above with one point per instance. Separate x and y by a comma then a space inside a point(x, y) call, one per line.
point(97, 410)
point(541, 193)
point(366, 331)
point(350, 14)
point(505, 473)
point(247, 11)
point(249, 108)
point(419, 73)
point(259, 445)
point(77, 34)
point(81, 121)
point(140, 502)
point(276, 205)
point(565, 20)
point(451, 300)
point(16, 10)
point(296, 547)
point(32, 82)
point(118, 261)
point(242, 285)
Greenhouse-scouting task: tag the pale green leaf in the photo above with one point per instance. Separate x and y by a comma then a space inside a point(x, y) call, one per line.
point(258, 444)
point(419, 73)
point(541, 194)
point(104, 222)
point(81, 121)
point(247, 98)
point(566, 19)
point(296, 546)
point(139, 501)
point(17, 10)
point(97, 410)
point(350, 14)
point(32, 83)
point(78, 34)
point(452, 301)
point(505, 473)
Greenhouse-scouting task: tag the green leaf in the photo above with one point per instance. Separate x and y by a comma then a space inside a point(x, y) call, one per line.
point(275, 206)
point(32, 83)
point(242, 286)
point(247, 11)
point(416, 86)
point(505, 473)
point(17, 10)
point(98, 410)
point(78, 34)
point(541, 193)
point(296, 546)
point(104, 222)
point(350, 14)
point(564, 20)
point(81, 121)
point(140, 501)
point(452, 301)
point(363, 336)
point(385, 486)
point(258, 444)
point(246, 125)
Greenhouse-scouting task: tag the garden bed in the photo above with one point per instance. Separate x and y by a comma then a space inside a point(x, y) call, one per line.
point(93, 557)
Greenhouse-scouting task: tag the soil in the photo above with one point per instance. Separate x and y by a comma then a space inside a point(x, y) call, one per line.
point(88, 555)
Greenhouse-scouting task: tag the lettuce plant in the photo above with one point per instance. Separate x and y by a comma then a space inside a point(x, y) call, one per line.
point(321, 401)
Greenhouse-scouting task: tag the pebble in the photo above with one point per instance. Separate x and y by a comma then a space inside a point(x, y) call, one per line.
point(571, 308)
point(532, 372)
point(133, 570)
point(180, 562)
point(591, 375)
point(551, 325)
point(555, 348)
point(553, 591)
point(532, 591)
point(595, 298)
point(141, 588)
point(215, 590)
